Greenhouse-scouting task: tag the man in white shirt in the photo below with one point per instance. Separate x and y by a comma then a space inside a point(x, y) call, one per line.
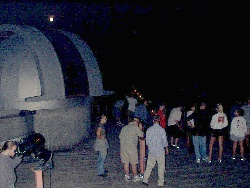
point(156, 140)
point(132, 101)
point(174, 121)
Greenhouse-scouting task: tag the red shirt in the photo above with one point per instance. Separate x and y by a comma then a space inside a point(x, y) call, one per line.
point(163, 119)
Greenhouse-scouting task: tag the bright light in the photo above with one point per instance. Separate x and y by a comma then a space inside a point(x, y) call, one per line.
point(51, 18)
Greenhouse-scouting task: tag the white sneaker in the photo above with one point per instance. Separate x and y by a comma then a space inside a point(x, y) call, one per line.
point(127, 178)
point(243, 159)
point(198, 161)
point(140, 175)
point(206, 160)
point(137, 178)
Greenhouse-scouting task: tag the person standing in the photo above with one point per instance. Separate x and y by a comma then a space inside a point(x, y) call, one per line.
point(156, 140)
point(8, 163)
point(129, 138)
point(174, 124)
point(189, 127)
point(161, 112)
point(101, 146)
point(141, 111)
point(132, 101)
point(117, 111)
point(199, 126)
point(238, 132)
point(218, 125)
point(246, 108)
point(235, 106)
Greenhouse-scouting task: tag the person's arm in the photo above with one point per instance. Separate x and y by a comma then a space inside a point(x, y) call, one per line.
point(167, 151)
point(141, 128)
point(16, 161)
point(226, 121)
point(98, 133)
point(232, 126)
point(245, 125)
point(212, 122)
point(165, 142)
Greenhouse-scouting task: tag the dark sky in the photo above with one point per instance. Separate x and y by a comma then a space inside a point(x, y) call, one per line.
point(161, 47)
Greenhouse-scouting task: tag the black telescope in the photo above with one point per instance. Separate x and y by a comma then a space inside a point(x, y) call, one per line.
point(33, 146)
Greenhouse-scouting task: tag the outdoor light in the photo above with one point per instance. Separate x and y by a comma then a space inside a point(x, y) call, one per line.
point(51, 18)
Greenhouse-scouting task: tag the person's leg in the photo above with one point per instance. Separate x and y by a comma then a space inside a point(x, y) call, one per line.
point(176, 142)
point(190, 144)
point(150, 165)
point(247, 140)
point(188, 139)
point(196, 148)
point(176, 135)
point(125, 160)
point(221, 139)
point(211, 143)
point(134, 169)
point(171, 134)
point(234, 147)
point(241, 143)
point(134, 161)
point(161, 169)
point(172, 140)
point(203, 147)
point(126, 168)
point(100, 162)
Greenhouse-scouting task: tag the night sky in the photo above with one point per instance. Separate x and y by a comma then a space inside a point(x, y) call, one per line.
point(164, 48)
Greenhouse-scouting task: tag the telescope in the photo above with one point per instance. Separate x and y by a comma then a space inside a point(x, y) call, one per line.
point(33, 148)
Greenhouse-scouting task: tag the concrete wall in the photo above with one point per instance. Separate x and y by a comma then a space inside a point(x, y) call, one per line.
point(12, 127)
point(63, 128)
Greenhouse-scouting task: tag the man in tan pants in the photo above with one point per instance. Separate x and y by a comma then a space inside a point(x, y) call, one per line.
point(156, 140)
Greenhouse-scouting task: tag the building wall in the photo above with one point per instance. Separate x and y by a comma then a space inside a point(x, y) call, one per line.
point(12, 127)
point(63, 128)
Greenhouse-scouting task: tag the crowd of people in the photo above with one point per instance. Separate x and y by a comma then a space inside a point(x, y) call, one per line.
point(153, 130)
point(163, 127)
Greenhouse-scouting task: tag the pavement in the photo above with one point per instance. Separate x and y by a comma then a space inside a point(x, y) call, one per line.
point(76, 168)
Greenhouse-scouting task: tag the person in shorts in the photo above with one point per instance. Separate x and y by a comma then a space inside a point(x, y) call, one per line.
point(129, 139)
point(218, 125)
point(238, 130)
point(246, 108)
point(174, 124)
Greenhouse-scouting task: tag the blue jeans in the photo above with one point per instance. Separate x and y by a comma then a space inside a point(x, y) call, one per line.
point(200, 147)
point(100, 162)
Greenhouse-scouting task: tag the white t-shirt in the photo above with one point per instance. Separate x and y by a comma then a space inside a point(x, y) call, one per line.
point(238, 126)
point(219, 121)
point(131, 103)
point(175, 115)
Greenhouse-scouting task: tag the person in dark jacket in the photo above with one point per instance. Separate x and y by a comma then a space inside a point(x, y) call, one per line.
point(142, 112)
point(199, 124)
point(8, 162)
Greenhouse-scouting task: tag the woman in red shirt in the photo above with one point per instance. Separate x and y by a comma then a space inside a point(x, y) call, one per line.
point(161, 112)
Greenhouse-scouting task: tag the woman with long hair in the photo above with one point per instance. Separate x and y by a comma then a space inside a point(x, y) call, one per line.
point(218, 124)
point(101, 145)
